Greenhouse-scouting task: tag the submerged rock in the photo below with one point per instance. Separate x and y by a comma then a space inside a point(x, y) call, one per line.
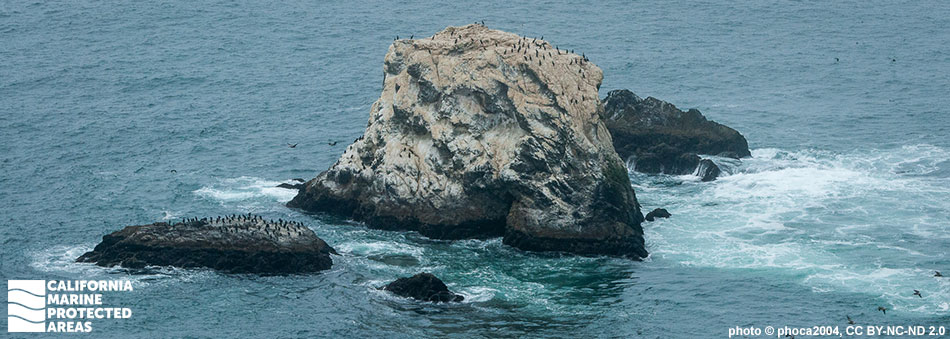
point(235, 244)
point(423, 286)
point(658, 213)
point(297, 185)
point(482, 133)
point(664, 139)
point(707, 170)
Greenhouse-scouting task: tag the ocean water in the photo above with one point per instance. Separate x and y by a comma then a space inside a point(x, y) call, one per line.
point(114, 114)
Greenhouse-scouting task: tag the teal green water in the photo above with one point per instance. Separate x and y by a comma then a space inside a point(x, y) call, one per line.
point(844, 207)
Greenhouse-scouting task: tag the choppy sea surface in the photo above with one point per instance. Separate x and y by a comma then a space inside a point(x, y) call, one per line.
point(115, 113)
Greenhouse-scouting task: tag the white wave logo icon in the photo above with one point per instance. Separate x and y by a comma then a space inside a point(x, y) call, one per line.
point(26, 306)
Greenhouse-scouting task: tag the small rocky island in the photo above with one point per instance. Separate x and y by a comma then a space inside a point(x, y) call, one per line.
point(482, 133)
point(424, 287)
point(233, 244)
point(661, 138)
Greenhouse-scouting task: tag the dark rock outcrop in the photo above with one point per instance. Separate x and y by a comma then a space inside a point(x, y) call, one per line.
point(707, 170)
point(234, 244)
point(424, 287)
point(472, 139)
point(664, 139)
point(297, 185)
point(658, 213)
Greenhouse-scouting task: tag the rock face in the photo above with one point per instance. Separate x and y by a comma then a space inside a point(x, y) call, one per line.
point(664, 139)
point(707, 170)
point(658, 213)
point(234, 244)
point(482, 133)
point(423, 286)
point(297, 184)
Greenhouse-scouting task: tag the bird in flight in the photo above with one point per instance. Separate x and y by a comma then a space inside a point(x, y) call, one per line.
point(882, 309)
point(917, 293)
point(937, 274)
point(849, 320)
point(292, 145)
point(332, 143)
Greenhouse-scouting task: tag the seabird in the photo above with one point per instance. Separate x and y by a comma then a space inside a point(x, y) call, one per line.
point(937, 274)
point(850, 322)
point(882, 309)
point(292, 145)
point(412, 36)
point(917, 293)
point(836, 59)
point(173, 171)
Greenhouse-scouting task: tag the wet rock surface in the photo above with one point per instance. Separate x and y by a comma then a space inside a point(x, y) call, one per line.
point(707, 170)
point(295, 184)
point(234, 244)
point(424, 287)
point(658, 213)
point(481, 133)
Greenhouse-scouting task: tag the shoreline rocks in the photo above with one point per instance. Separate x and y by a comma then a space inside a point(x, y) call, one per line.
point(658, 213)
point(233, 244)
point(423, 287)
point(481, 133)
point(661, 138)
point(707, 170)
point(296, 185)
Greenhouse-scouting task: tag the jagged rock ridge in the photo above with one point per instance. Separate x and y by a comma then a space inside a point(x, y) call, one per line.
point(235, 244)
point(482, 133)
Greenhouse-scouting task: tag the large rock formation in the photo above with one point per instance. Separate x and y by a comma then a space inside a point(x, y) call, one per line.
point(234, 244)
point(423, 286)
point(482, 133)
point(664, 139)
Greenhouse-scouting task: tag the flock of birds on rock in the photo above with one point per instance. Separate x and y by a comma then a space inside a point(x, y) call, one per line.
point(541, 49)
point(543, 52)
point(248, 224)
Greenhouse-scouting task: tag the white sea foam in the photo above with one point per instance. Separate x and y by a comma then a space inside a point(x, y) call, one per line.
point(365, 248)
point(246, 188)
point(832, 220)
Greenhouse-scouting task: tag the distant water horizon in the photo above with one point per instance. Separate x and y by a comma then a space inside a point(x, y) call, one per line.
point(115, 114)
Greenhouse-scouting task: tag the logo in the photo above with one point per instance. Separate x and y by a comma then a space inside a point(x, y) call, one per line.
point(60, 305)
point(26, 306)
